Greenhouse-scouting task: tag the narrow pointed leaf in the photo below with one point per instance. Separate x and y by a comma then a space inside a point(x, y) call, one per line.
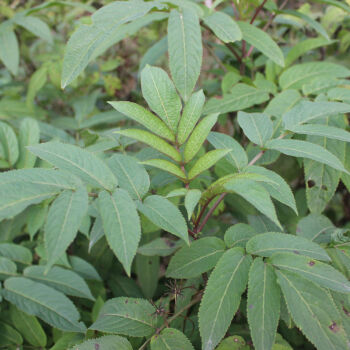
point(198, 136)
point(9, 336)
point(269, 243)
point(166, 166)
point(9, 143)
point(185, 50)
point(222, 296)
point(263, 306)
point(9, 48)
point(121, 224)
point(170, 339)
point(330, 132)
point(192, 198)
point(144, 117)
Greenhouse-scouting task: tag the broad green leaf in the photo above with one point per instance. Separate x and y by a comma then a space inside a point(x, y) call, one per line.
point(305, 149)
point(170, 339)
point(278, 189)
point(255, 194)
point(28, 326)
point(313, 311)
point(9, 143)
point(131, 176)
point(330, 132)
point(87, 40)
point(84, 269)
point(263, 307)
point(185, 50)
point(190, 115)
point(63, 221)
point(342, 301)
point(160, 246)
point(224, 27)
point(110, 342)
point(7, 268)
point(36, 82)
point(152, 141)
point(262, 41)
point(17, 253)
point(270, 243)
point(298, 75)
point(234, 342)
point(63, 280)
point(191, 200)
point(165, 215)
point(121, 224)
point(282, 103)
point(29, 134)
point(316, 271)
point(341, 94)
point(127, 316)
point(257, 127)
point(304, 46)
point(222, 296)
point(198, 136)
point(144, 117)
point(44, 302)
point(166, 166)
point(9, 336)
point(66, 340)
point(207, 161)
point(201, 256)
point(238, 235)
point(237, 156)
point(161, 96)
point(9, 50)
point(34, 25)
point(78, 162)
point(321, 85)
point(307, 111)
point(241, 97)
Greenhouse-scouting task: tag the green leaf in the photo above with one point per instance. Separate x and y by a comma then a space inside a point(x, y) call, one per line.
point(63, 221)
point(262, 41)
point(241, 97)
point(335, 3)
point(165, 215)
point(201, 256)
point(28, 326)
point(84, 269)
point(185, 50)
point(330, 132)
point(234, 342)
point(63, 280)
point(9, 50)
point(207, 161)
point(36, 82)
point(131, 176)
point(147, 271)
point(121, 224)
point(166, 166)
point(8, 141)
point(222, 296)
point(78, 162)
point(7, 268)
point(127, 316)
point(238, 235)
point(160, 93)
point(144, 117)
point(298, 75)
point(198, 136)
point(154, 53)
point(237, 156)
point(282, 103)
point(306, 111)
point(224, 27)
point(29, 134)
point(160, 246)
point(313, 270)
point(44, 302)
point(269, 243)
point(192, 198)
point(313, 311)
point(304, 149)
point(34, 25)
point(254, 193)
point(16, 253)
point(258, 127)
point(152, 141)
point(190, 115)
point(170, 339)
point(9, 336)
point(278, 189)
point(110, 342)
point(87, 40)
point(263, 306)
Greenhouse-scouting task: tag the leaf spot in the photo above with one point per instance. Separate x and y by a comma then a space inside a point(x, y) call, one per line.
point(334, 327)
point(311, 263)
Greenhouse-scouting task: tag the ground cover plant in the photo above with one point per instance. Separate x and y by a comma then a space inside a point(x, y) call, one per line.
point(175, 174)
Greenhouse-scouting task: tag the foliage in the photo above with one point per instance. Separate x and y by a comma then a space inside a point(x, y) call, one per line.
point(174, 175)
